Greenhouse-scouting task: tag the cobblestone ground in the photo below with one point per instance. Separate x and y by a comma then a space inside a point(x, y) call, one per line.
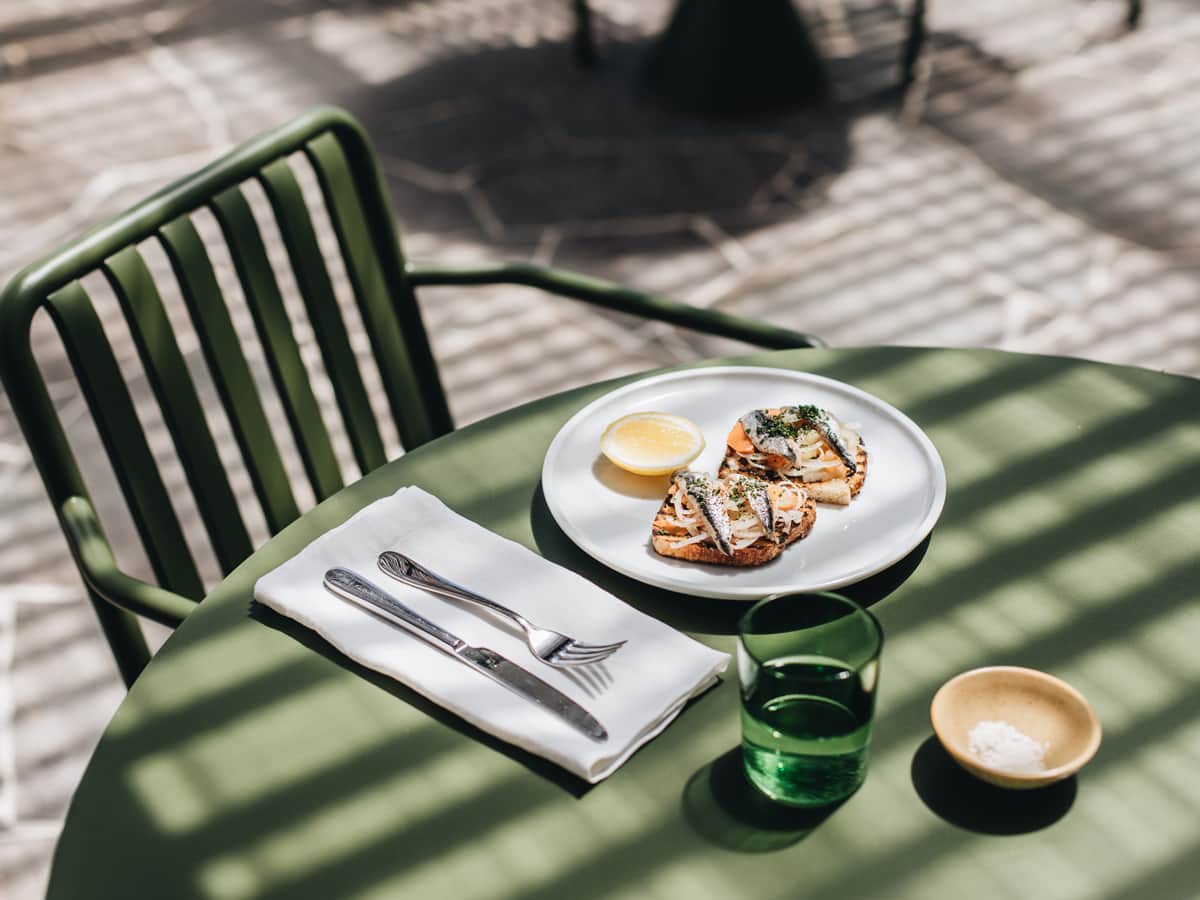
point(1037, 190)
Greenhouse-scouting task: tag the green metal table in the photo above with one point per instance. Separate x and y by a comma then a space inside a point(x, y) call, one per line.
point(249, 761)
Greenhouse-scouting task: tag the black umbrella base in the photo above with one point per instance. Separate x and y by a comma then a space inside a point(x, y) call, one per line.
point(724, 57)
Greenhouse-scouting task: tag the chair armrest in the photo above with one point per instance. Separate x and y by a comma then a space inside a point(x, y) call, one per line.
point(99, 568)
point(613, 296)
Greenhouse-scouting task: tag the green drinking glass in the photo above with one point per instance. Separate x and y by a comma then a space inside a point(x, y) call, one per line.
point(808, 665)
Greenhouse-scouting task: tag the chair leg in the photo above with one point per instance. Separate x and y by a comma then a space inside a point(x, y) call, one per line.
point(1133, 16)
point(585, 41)
point(912, 46)
point(125, 638)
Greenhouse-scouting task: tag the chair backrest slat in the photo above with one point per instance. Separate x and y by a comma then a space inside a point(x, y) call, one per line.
point(271, 321)
point(230, 372)
point(112, 409)
point(392, 322)
point(295, 225)
point(181, 408)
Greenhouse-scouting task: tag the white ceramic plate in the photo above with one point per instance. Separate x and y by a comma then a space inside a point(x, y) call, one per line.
point(607, 512)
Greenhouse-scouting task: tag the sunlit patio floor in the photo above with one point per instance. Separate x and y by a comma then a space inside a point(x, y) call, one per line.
point(1037, 190)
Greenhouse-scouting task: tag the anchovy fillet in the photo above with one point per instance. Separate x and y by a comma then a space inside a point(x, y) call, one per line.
point(759, 500)
point(705, 495)
point(824, 423)
point(760, 429)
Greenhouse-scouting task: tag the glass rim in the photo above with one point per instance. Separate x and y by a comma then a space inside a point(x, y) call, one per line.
point(857, 608)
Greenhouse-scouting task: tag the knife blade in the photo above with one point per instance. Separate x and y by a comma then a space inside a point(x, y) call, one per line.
point(358, 590)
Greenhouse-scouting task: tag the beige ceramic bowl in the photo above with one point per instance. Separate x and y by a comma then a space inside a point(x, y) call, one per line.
point(1044, 707)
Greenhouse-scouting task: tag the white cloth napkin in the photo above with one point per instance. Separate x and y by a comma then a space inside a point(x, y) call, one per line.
point(634, 694)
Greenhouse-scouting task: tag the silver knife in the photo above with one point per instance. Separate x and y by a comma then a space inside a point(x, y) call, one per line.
point(353, 587)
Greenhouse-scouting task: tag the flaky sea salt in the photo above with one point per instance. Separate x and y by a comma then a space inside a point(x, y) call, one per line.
point(1001, 746)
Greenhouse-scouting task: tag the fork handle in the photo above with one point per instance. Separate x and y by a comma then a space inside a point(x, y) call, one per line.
point(409, 571)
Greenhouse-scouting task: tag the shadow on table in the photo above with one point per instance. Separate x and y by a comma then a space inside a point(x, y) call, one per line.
point(724, 808)
point(702, 615)
point(963, 800)
point(572, 784)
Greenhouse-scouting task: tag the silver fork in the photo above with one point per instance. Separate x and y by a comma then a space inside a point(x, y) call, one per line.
point(550, 647)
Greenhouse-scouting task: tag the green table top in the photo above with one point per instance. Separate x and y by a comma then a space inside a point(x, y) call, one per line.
point(250, 761)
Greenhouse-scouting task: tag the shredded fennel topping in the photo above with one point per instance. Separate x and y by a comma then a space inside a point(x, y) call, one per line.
point(746, 527)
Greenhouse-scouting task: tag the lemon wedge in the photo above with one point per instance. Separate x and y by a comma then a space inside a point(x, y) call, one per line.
point(651, 443)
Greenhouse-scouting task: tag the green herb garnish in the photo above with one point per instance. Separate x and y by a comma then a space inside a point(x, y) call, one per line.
point(810, 412)
point(777, 426)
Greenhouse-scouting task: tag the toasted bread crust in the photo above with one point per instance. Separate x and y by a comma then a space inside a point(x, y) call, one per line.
point(823, 491)
point(663, 535)
point(859, 477)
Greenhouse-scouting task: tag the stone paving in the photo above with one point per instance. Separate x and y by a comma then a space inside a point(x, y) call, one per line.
point(1036, 191)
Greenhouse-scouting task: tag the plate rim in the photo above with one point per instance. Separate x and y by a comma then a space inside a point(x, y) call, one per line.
point(923, 529)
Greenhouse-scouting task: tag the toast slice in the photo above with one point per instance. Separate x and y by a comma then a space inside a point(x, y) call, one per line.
point(679, 531)
point(820, 454)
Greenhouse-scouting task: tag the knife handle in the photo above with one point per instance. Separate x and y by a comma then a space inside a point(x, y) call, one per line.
point(354, 587)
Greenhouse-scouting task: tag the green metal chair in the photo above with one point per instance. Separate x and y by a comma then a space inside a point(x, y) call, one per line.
point(383, 284)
